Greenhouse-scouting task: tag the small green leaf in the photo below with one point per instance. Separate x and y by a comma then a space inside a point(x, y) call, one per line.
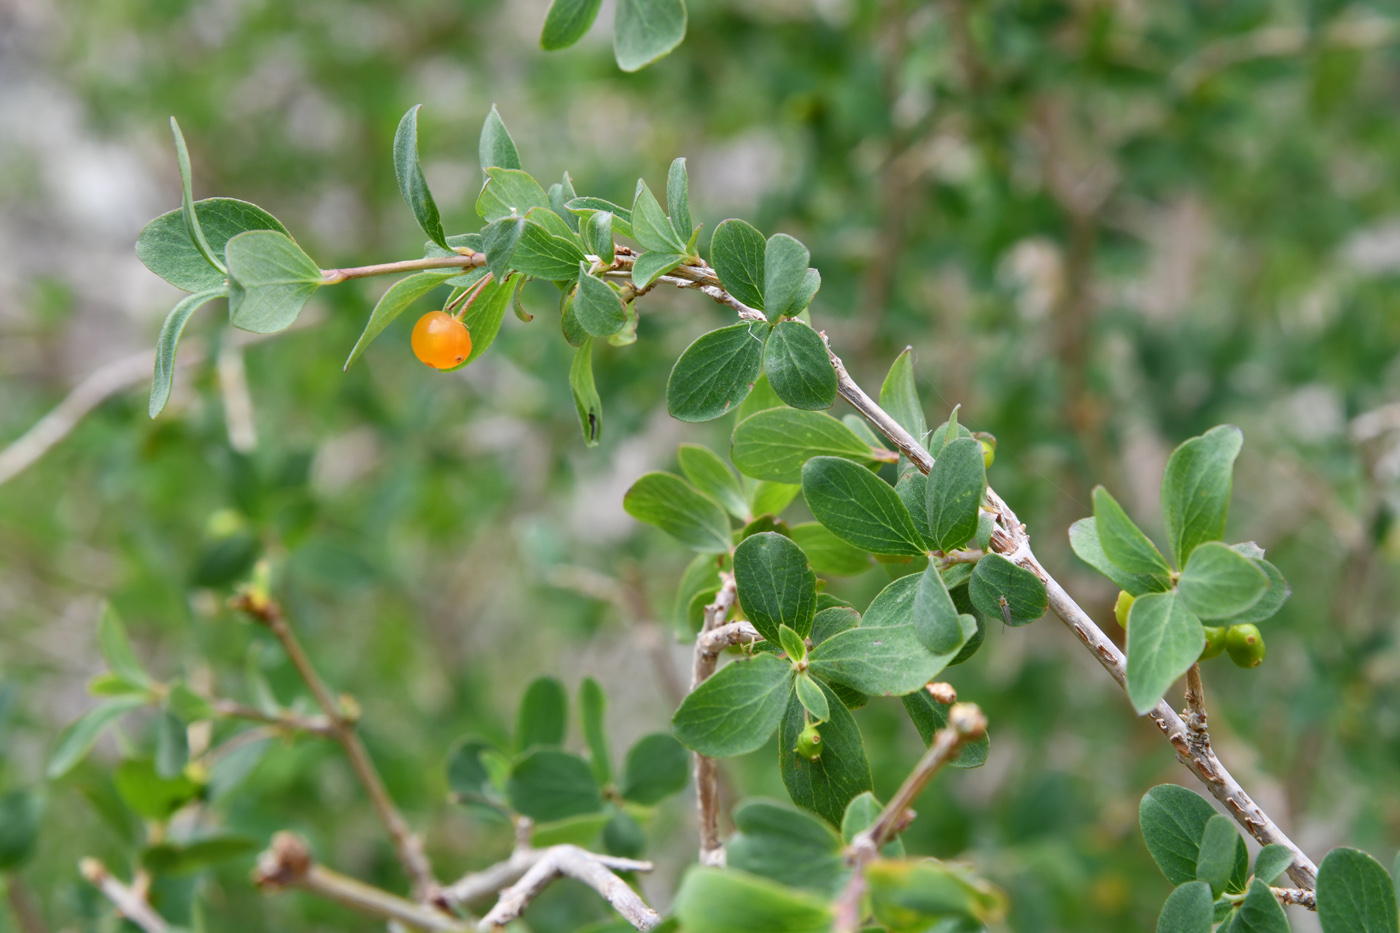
point(412, 185)
point(645, 30)
point(1270, 603)
point(911, 895)
point(900, 397)
point(1084, 539)
point(784, 272)
point(587, 207)
point(678, 198)
point(1189, 909)
point(270, 281)
point(713, 477)
point(774, 444)
point(543, 715)
point(786, 846)
point(1273, 860)
point(792, 644)
point(812, 698)
point(736, 251)
point(592, 705)
point(650, 226)
point(566, 22)
point(912, 489)
point(824, 786)
point(953, 493)
point(548, 784)
point(937, 623)
point(1216, 859)
point(149, 794)
point(1354, 894)
point(1220, 583)
point(499, 242)
point(929, 716)
point(652, 265)
point(21, 812)
point(768, 498)
point(776, 584)
point(1173, 820)
point(597, 231)
point(1196, 489)
point(169, 341)
point(1122, 541)
point(509, 192)
point(172, 746)
point(116, 649)
point(188, 705)
point(467, 773)
point(1260, 912)
point(543, 255)
point(77, 739)
point(1164, 639)
point(392, 303)
point(496, 149)
point(484, 316)
point(624, 837)
point(185, 858)
point(597, 305)
point(714, 373)
point(736, 710)
point(828, 553)
point(165, 247)
point(187, 208)
point(859, 508)
point(995, 578)
point(798, 367)
point(587, 403)
point(673, 505)
point(656, 767)
point(711, 900)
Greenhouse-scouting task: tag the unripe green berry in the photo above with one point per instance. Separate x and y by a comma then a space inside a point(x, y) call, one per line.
point(809, 743)
point(1122, 606)
point(1245, 645)
point(989, 447)
point(1215, 641)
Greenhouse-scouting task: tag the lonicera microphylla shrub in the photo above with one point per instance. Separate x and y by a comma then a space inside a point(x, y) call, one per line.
point(778, 650)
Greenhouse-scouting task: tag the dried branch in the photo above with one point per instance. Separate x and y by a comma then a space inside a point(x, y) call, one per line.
point(129, 903)
point(707, 651)
point(1297, 896)
point(1194, 715)
point(568, 861)
point(288, 863)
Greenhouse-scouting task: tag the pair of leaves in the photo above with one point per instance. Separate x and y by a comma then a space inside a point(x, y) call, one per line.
point(718, 370)
point(643, 30)
point(770, 276)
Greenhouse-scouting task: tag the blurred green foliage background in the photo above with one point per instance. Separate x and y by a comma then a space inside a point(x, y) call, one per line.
point(1102, 226)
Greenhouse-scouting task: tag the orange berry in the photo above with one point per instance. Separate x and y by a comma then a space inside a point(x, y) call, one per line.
point(441, 341)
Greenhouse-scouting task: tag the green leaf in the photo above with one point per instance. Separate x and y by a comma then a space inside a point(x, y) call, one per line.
point(165, 247)
point(1260, 912)
point(21, 812)
point(787, 846)
point(116, 649)
point(929, 716)
point(714, 373)
point(737, 253)
point(500, 239)
point(548, 784)
point(597, 231)
point(792, 644)
point(1216, 859)
point(1189, 909)
point(812, 698)
point(1196, 489)
point(953, 493)
point(678, 198)
point(711, 900)
point(650, 226)
point(775, 443)
point(188, 705)
point(883, 656)
point(169, 341)
point(172, 746)
point(656, 767)
point(832, 620)
point(150, 795)
point(784, 272)
point(736, 710)
point(909, 896)
point(1173, 820)
point(566, 22)
point(466, 772)
point(768, 498)
point(859, 508)
point(1273, 860)
point(587, 403)
point(776, 584)
point(712, 476)
point(270, 281)
point(826, 785)
point(798, 367)
point(587, 207)
point(412, 185)
point(1164, 639)
point(1354, 894)
point(496, 149)
point(597, 305)
point(543, 255)
point(1270, 603)
point(701, 578)
point(1122, 541)
point(509, 192)
point(543, 715)
point(995, 578)
point(623, 836)
point(393, 303)
point(592, 704)
point(483, 318)
point(1084, 539)
point(77, 739)
point(645, 30)
point(1220, 583)
point(900, 398)
point(912, 489)
point(652, 265)
point(828, 553)
point(186, 858)
point(187, 209)
point(673, 505)
point(937, 623)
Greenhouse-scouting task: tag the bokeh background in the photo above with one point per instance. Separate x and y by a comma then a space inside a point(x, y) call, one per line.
point(1102, 226)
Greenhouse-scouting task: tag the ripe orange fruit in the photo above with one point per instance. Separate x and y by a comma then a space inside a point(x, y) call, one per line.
point(441, 341)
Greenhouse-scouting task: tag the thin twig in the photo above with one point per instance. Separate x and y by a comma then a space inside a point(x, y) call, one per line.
point(288, 863)
point(707, 769)
point(406, 842)
point(572, 862)
point(317, 725)
point(466, 261)
point(1297, 896)
point(128, 902)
